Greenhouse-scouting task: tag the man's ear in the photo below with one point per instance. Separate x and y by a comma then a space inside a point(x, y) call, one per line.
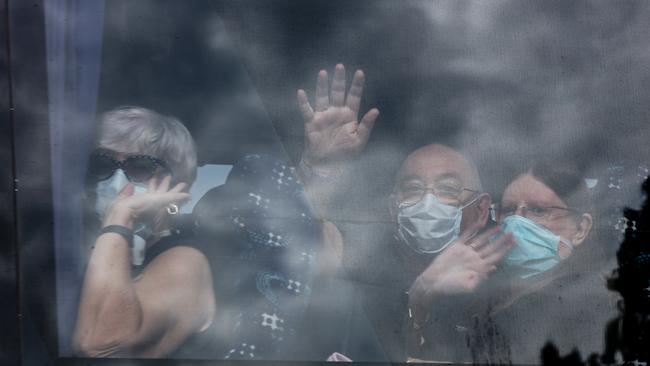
point(483, 208)
point(475, 216)
point(583, 227)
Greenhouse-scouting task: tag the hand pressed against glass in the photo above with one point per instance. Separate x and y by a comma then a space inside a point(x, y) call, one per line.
point(333, 131)
point(528, 197)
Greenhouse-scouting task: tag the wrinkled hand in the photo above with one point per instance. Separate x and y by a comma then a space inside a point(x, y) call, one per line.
point(332, 130)
point(148, 204)
point(462, 266)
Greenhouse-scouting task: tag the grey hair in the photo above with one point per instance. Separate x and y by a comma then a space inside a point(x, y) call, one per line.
point(138, 130)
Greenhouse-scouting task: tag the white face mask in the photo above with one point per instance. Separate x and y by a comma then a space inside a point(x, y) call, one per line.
point(108, 189)
point(429, 226)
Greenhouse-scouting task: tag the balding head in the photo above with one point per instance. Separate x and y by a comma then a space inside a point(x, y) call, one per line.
point(432, 162)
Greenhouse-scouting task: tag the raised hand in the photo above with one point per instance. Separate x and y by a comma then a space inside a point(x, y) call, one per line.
point(128, 207)
point(461, 267)
point(332, 130)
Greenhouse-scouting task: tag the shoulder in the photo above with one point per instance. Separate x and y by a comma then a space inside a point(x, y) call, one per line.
point(184, 252)
point(184, 262)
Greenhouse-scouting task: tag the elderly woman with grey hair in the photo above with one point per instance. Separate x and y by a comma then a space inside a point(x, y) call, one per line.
point(139, 173)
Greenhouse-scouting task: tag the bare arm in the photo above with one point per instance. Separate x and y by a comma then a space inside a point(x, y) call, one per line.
point(149, 317)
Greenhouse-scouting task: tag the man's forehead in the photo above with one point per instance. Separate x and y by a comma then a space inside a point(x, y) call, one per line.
point(434, 163)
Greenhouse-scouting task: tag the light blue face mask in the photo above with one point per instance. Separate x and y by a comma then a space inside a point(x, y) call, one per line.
point(108, 189)
point(429, 226)
point(537, 247)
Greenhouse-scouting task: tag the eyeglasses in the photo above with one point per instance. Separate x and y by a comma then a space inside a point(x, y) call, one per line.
point(409, 194)
point(534, 212)
point(137, 168)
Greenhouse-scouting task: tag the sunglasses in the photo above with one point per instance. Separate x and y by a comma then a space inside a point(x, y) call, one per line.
point(137, 168)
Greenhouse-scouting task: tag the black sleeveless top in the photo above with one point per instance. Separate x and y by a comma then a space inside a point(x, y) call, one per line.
point(201, 345)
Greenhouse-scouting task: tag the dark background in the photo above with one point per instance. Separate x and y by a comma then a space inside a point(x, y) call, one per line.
point(10, 340)
point(503, 80)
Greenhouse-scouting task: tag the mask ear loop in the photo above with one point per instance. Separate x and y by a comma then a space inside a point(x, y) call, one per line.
point(567, 244)
point(471, 202)
point(493, 212)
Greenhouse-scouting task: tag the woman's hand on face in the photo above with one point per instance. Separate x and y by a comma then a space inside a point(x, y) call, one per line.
point(127, 207)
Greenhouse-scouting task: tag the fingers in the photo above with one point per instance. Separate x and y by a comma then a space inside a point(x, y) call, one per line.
point(177, 197)
point(126, 191)
point(164, 184)
point(174, 195)
point(485, 247)
point(338, 86)
point(178, 188)
point(356, 91)
point(481, 240)
point(152, 184)
point(322, 93)
point(305, 107)
point(497, 250)
point(467, 236)
point(366, 124)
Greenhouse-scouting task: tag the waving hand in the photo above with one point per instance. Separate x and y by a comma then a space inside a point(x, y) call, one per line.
point(333, 132)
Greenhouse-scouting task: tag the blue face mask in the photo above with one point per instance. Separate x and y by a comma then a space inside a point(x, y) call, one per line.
point(107, 190)
point(537, 247)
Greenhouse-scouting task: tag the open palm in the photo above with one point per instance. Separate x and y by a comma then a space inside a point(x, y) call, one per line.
point(332, 130)
point(461, 268)
point(160, 195)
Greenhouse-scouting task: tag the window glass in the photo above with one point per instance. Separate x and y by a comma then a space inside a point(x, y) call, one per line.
point(246, 205)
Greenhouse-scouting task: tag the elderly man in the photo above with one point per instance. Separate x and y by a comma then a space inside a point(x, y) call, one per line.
point(429, 246)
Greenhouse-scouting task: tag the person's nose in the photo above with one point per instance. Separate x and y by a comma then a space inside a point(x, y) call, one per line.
point(521, 211)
